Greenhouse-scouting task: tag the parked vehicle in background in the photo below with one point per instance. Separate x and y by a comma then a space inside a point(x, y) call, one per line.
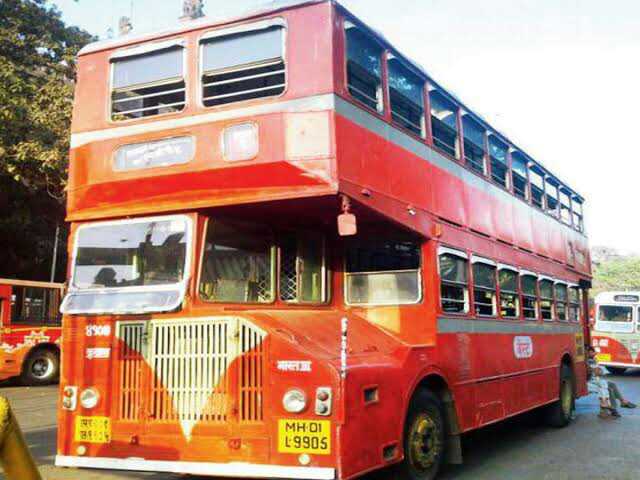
point(616, 332)
point(219, 321)
point(30, 329)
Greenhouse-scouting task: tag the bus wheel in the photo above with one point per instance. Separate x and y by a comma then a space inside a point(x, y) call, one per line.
point(41, 367)
point(616, 370)
point(560, 413)
point(424, 436)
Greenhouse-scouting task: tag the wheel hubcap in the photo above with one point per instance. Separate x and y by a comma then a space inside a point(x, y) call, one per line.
point(424, 443)
point(42, 367)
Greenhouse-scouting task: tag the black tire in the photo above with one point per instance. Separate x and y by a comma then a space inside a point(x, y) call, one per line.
point(617, 370)
point(560, 413)
point(42, 367)
point(424, 427)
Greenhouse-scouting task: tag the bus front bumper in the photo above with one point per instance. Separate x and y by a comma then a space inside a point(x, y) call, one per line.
point(230, 470)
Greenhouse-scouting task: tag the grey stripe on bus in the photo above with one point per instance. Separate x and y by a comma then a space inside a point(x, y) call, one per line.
point(376, 125)
point(482, 325)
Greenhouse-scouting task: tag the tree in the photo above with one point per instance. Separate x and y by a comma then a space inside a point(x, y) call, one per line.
point(621, 273)
point(37, 72)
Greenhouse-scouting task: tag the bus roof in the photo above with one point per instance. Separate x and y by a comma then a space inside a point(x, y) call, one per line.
point(618, 297)
point(231, 15)
point(29, 283)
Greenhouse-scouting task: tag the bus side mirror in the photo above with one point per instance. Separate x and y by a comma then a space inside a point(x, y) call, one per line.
point(347, 225)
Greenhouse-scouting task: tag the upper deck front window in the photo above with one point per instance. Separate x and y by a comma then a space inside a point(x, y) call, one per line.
point(364, 68)
point(148, 84)
point(133, 266)
point(406, 91)
point(243, 66)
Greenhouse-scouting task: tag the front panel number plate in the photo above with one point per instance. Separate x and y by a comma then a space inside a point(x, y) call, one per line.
point(603, 357)
point(93, 429)
point(304, 436)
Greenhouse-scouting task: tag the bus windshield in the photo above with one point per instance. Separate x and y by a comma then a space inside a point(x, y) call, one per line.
point(130, 254)
point(613, 313)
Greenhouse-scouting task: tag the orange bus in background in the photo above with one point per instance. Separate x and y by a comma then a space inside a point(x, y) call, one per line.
point(30, 328)
point(296, 255)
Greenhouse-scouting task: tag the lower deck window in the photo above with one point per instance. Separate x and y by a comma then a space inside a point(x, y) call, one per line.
point(574, 304)
point(546, 299)
point(484, 289)
point(302, 269)
point(561, 301)
point(509, 304)
point(528, 284)
point(383, 273)
point(454, 291)
point(238, 264)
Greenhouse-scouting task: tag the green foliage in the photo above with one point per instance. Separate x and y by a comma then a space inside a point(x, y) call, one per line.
point(617, 274)
point(37, 72)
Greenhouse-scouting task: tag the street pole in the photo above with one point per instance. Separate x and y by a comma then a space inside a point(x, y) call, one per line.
point(55, 253)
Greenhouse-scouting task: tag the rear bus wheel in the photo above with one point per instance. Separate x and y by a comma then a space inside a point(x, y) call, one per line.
point(424, 438)
point(42, 367)
point(560, 413)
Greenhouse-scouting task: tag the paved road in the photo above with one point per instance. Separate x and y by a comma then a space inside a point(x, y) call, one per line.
point(518, 449)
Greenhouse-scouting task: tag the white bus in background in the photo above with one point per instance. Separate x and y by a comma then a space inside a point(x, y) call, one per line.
point(616, 333)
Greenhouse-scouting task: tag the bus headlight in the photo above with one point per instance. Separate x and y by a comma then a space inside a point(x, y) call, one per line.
point(294, 401)
point(89, 398)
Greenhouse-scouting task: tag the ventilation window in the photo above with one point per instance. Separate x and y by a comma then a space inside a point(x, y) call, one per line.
point(364, 68)
point(243, 66)
point(474, 150)
point(519, 175)
point(498, 155)
point(444, 124)
point(148, 84)
point(406, 92)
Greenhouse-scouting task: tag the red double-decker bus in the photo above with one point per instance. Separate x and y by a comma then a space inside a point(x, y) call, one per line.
point(30, 328)
point(296, 255)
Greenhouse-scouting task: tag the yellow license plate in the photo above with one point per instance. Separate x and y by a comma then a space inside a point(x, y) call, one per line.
point(603, 357)
point(93, 429)
point(304, 436)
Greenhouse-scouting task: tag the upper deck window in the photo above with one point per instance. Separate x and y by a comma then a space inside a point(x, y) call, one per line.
point(565, 206)
point(406, 92)
point(148, 84)
point(383, 273)
point(551, 189)
point(519, 175)
point(499, 168)
point(578, 216)
point(243, 66)
point(537, 187)
point(364, 68)
point(474, 149)
point(444, 123)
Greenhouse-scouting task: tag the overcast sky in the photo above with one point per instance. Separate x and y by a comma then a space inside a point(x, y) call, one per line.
point(559, 77)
